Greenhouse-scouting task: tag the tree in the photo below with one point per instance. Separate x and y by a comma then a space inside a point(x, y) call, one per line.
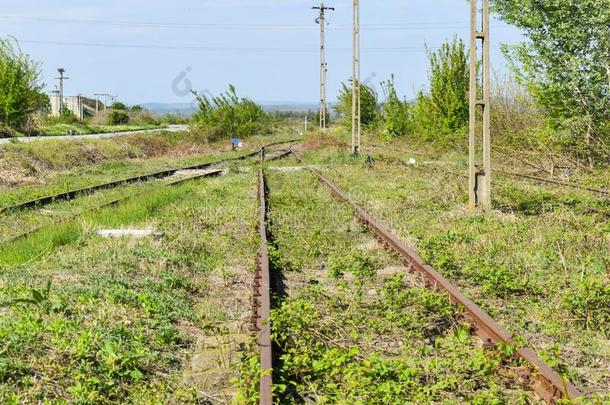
point(229, 116)
point(445, 108)
point(117, 105)
point(565, 63)
point(397, 112)
point(20, 86)
point(368, 102)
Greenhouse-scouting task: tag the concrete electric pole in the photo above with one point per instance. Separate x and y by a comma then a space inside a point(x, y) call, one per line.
point(323, 65)
point(356, 104)
point(480, 175)
point(61, 79)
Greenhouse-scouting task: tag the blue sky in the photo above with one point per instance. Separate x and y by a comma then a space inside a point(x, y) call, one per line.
point(149, 50)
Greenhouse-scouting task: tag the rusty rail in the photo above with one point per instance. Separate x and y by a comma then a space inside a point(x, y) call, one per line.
point(548, 383)
point(72, 194)
point(113, 202)
point(556, 182)
point(262, 300)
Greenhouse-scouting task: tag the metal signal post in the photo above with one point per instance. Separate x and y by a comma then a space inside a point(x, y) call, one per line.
point(479, 166)
point(356, 104)
point(323, 64)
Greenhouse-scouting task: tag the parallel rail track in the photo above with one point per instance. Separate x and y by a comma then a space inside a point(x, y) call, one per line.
point(554, 182)
point(120, 199)
point(545, 381)
point(262, 299)
point(113, 202)
point(72, 194)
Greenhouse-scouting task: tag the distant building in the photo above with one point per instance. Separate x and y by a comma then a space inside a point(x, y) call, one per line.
point(72, 103)
point(80, 106)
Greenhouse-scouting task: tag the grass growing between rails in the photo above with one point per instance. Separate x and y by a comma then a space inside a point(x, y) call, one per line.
point(121, 317)
point(538, 263)
point(85, 129)
point(354, 326)
point(49, 167)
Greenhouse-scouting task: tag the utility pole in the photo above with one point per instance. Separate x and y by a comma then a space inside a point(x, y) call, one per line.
point(356, 104)
point(323, 65)
point(61, 79)
point(480, 175)
point(97, 101)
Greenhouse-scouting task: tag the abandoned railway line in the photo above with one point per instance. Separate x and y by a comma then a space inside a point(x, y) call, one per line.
point(530, 372)
point(541, 378)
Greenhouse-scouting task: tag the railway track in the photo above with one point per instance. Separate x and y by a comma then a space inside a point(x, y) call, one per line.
point(113, 202)
point(118, 200)
point(262, 299)
point(72, 194)
point(598, 191)
point(544, 380)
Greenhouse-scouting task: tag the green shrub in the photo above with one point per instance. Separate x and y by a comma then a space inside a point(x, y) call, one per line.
point(117, 105)
point(118, 118)
point(20, 86)
point(590, 303)
point(228, 116)
point(397, 113)
point(444, 110)
point(369, 104)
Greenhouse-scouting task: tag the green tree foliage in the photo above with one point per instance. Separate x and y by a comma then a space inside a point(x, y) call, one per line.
point(117, 105)
point(20, 86)
point(397, 113)
point(118, 117)
point(369, 104)
point(445, 108)
point(565, 63)
point(229, 116)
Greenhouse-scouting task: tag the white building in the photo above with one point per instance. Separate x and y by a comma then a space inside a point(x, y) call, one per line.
point(72, 103)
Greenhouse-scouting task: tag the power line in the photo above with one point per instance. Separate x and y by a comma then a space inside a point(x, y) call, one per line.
point(235, 26)
point(222, 48)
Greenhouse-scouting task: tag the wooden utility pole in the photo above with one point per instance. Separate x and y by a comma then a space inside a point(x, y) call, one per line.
point(356, 104)
point(480, 174)
point(323, 64)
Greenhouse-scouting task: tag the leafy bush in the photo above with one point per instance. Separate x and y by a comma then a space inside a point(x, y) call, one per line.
point(564, 64)
point(118, 118)
point(445, 109)
point(174, 119)
point(20, 86)
point(590, 303)
point(117, 105)
point(229, 116)
point(397, 113)
point(368, 100)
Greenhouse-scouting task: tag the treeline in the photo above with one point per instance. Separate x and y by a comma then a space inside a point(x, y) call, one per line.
point(556, 98)
point(21, 89)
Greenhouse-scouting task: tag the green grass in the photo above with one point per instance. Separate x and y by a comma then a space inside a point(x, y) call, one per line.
point(538, 263)
point(122, 317)
point(354, 327)
point(51, 167)
point(85, 129)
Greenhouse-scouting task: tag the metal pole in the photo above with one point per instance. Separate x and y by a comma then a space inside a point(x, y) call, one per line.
point(479, 175)
point(323, 64)
point(356, 103)
point(61, 79)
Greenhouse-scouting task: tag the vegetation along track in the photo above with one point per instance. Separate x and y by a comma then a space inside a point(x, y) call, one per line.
point(72, 194)
point(546, 381)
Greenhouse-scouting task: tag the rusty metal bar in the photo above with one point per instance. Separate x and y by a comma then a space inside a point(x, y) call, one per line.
point(556, 182)
point(548, 383)
point(70, 195)
point(115, 201)
point(262, 300)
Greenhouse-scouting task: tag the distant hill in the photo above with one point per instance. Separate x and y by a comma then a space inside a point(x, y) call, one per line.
point(190, 108)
